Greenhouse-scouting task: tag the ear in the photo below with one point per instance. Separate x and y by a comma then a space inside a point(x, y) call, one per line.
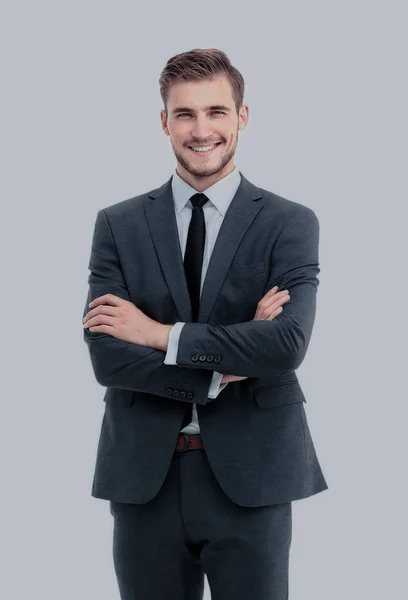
point(164, 122)
point(243, 117)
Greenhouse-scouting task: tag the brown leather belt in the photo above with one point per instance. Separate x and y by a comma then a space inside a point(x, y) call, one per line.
point(188, 441)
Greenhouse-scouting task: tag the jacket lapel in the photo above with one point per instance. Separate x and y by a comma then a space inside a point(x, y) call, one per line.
point(161, 218)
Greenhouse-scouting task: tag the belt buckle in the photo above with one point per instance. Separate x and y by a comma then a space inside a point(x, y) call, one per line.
point(186, 442)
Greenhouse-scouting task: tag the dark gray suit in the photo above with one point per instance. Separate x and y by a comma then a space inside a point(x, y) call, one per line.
point(258, 447)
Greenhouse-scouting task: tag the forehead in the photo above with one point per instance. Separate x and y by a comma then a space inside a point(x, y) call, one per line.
point(198, 95)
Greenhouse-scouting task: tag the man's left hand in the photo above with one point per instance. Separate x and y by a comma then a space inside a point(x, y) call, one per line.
point(123, 320)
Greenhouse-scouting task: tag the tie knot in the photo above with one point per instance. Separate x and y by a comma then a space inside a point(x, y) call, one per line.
point(198, 199)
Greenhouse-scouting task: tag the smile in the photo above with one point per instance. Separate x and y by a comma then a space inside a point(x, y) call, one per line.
point(206, 150)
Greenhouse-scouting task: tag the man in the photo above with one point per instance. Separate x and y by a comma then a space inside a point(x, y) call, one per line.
point(203, 302)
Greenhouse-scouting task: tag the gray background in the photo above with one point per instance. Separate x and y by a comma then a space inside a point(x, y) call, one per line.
point(326, 89)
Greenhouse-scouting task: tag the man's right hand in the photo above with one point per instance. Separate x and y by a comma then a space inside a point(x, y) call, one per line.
point(269, 307)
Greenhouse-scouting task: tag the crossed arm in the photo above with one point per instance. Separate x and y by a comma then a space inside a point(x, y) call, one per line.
point(248, 349)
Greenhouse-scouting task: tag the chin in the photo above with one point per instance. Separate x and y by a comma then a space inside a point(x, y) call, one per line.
point(205, 172)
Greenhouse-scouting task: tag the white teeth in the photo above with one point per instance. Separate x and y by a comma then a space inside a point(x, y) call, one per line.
point(203, 148)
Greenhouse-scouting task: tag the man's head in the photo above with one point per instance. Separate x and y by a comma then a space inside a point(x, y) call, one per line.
point(202, 95)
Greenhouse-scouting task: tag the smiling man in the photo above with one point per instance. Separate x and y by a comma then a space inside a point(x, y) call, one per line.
point(201, 305)
point(203, 135)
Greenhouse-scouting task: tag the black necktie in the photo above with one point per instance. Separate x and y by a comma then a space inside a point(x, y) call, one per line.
point(193, 262)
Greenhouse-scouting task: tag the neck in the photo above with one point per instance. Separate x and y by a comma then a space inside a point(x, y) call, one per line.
point(202, 183)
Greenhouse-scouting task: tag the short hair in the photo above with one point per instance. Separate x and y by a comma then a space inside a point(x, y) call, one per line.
point(197, 65)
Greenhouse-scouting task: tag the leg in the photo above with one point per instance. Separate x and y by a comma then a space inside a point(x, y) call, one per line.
point(248, 556)
point(245, 550)
point(153, 558)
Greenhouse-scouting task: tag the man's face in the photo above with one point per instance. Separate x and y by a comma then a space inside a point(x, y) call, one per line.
point(203, 113)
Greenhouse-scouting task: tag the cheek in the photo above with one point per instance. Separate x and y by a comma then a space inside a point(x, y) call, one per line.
point(230, 137)
point(177, 133)
point(230, 141)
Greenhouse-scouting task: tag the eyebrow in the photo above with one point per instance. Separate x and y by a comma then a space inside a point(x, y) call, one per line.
point(213, 107)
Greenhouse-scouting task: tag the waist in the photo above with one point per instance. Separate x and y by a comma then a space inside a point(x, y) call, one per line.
point(188, 441)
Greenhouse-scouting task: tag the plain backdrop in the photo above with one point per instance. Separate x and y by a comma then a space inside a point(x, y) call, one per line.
point(80, 130)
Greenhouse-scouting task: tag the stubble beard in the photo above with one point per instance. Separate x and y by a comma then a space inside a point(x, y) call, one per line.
point(205, 171)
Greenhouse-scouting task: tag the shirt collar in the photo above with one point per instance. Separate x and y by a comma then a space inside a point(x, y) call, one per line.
point(220, 193)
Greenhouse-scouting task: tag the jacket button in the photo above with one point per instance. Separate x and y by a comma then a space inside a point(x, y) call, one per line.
point(217, 359)
point(182, 394)
point(189, 395)
point(169, 390)
point(210, 358)
point(175, 392)
point(203, 357)
point(194, 358)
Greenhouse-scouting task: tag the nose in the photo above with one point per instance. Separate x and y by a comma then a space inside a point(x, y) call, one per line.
point(201, 129)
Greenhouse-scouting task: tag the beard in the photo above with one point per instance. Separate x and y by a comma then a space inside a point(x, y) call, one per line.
point(205, 170)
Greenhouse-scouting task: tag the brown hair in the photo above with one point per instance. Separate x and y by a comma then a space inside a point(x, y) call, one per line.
point(199, 64)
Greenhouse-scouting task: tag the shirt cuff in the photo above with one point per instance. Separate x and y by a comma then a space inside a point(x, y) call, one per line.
point(172, 346)
point(216, 386)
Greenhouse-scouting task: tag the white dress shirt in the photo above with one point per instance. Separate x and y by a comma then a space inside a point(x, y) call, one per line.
point(219, 195)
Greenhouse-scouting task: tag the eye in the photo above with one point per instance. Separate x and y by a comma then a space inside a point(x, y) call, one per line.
point(220, 112)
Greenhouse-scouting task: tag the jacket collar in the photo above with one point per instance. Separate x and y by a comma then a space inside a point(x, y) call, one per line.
point(162, 223)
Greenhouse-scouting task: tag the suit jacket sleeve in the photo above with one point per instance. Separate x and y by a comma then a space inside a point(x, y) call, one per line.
point(120, 364)
point(170, 359)
point(268, 348)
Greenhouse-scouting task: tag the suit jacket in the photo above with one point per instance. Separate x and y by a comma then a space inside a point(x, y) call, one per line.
point(255, 433)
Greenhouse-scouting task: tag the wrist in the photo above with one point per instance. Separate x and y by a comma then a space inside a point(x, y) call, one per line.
point(161, 340)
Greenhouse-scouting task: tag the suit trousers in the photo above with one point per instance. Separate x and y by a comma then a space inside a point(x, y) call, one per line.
point(163, 548)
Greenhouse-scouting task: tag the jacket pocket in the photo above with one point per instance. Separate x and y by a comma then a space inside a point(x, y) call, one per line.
point(118, 397)
point(281, 394)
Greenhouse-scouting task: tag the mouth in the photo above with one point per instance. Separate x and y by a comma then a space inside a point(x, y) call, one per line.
point(204, 152)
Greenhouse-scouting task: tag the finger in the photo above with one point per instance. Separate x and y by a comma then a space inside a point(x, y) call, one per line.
point(100, 320)
point(102, 309)
point(271, 291)
point(275, 308)
point(277, 299)
point(107, 299)
point(274, 296)
point(275, 313)
point(103, 329)
point(276, 302)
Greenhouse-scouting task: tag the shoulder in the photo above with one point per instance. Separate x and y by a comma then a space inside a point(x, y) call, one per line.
point(276, 204)
point(287, 213)
point(283, 205)
point(124, 208)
